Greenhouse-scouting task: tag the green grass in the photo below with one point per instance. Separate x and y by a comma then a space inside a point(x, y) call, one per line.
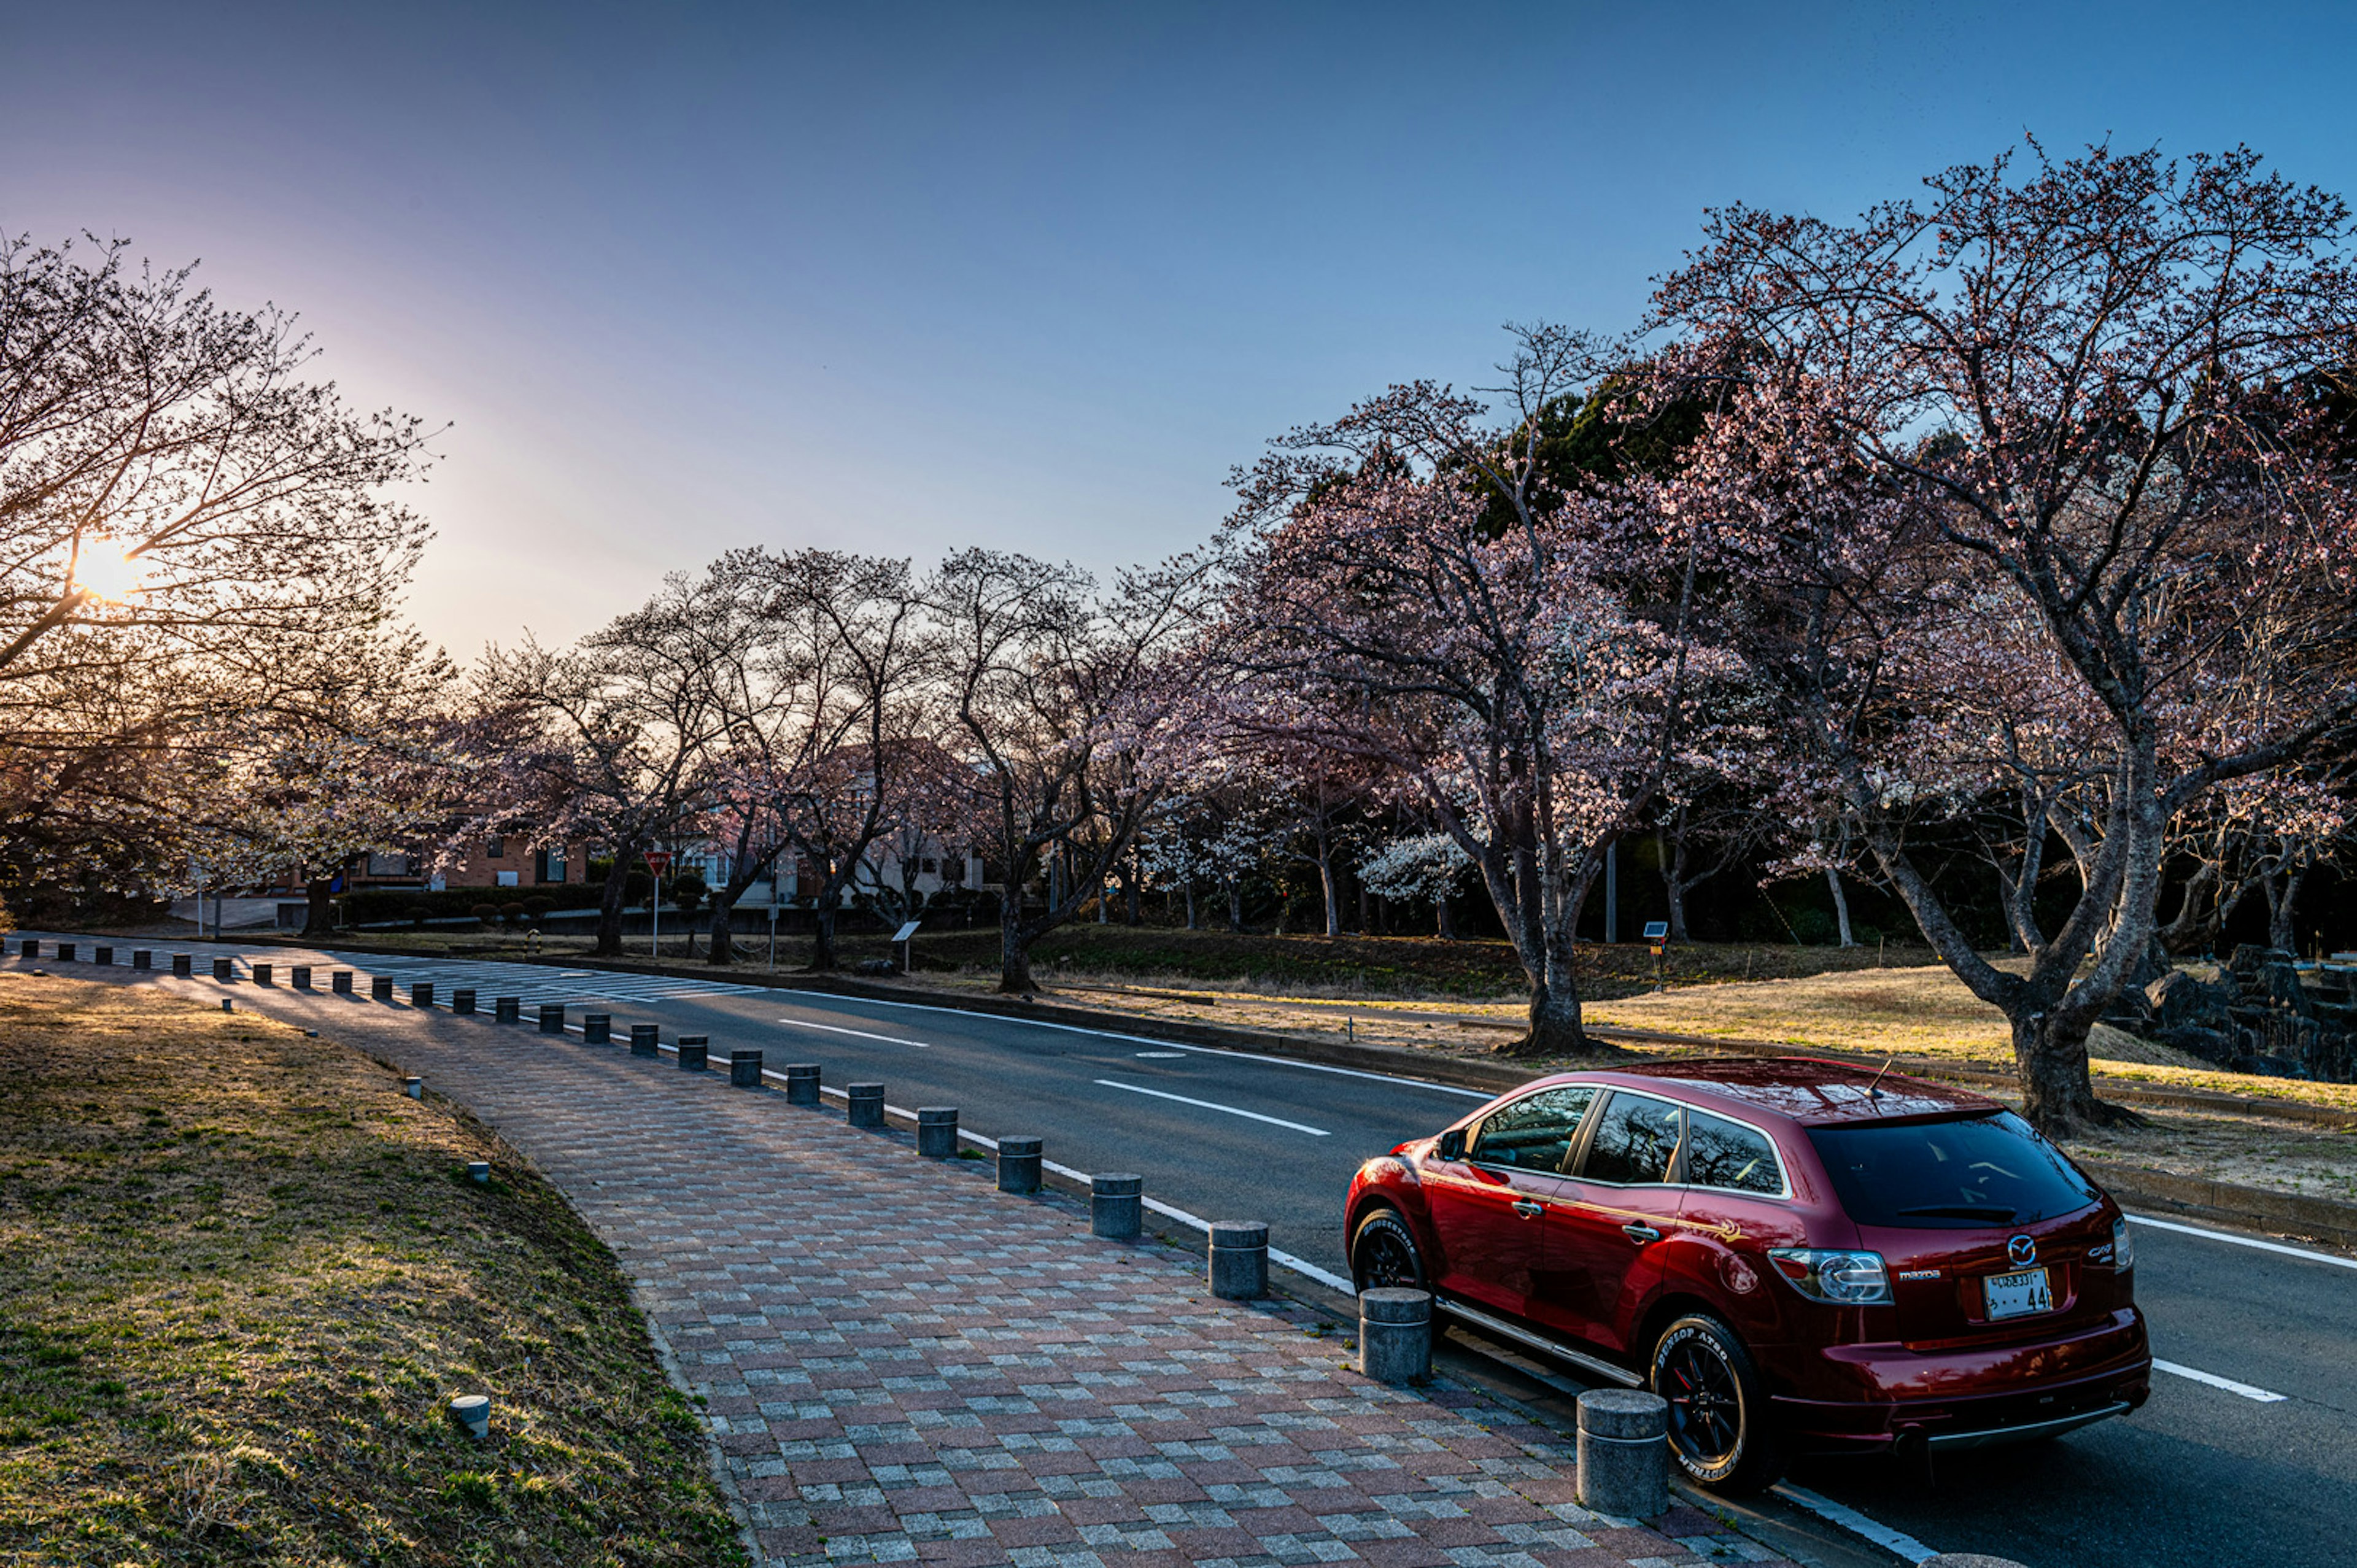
point(240, 1277)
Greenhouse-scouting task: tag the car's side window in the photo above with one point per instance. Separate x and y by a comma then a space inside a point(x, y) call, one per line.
point(1635, 1142)
point(1728, 1154)
point(1535, 1132)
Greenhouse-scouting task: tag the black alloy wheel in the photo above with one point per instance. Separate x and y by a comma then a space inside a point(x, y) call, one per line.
point(1718, 1406)
point(1383, 1254)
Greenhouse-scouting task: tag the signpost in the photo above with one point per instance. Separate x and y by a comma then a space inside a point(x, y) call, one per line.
point(1657, 932)
point(658, 862)
point(901, 940)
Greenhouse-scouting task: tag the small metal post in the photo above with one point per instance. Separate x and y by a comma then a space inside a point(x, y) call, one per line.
point(866, 1104)
point(143, 958)
point(1117, 1205)
point(379, 988)
point(479, 1170)
point(420, 993)
point(552, 1017)
point(339, 982)
point(225, 968)
point(745, 1070)
point(803, 1083)
point(414, 1087)
point(937, 1132)
point(103, 955)
point(1019, 1164)
point(597, 1028)
point(644, 1040)
point(263, 973)
point(693, 1049)
point(506, 1009)
point(30, 947)
point(183, 966)
point(462, 1000)
point(66, 952)
point(300, 976)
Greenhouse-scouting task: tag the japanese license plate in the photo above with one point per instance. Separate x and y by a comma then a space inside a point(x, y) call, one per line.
point(2017, 1296)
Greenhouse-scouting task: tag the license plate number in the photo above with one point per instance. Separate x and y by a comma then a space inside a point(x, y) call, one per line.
point(2017, 1296)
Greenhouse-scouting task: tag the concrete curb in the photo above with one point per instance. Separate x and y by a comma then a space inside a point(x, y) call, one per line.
point(2198, 1197)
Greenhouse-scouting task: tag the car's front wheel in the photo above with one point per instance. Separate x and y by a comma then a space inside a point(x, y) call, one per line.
point(1721, 1432)
point(1383, 1253)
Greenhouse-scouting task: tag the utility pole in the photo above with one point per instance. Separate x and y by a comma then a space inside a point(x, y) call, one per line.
point(1611, 891)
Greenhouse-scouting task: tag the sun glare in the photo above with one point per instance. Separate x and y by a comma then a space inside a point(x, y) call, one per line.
point(107, 573)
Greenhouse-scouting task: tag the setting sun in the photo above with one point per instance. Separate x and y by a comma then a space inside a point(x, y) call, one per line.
point(108, 571)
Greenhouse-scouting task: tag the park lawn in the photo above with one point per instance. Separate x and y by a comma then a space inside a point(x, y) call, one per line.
point(241, 1276)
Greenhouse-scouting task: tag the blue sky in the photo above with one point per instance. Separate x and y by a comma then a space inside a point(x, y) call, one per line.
point(901, 279)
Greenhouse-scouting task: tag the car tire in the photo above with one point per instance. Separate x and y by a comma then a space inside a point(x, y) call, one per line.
point(1383, 1253)
point(1721, 1435)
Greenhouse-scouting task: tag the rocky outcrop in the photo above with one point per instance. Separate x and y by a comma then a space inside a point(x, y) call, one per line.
point(2262, 1015)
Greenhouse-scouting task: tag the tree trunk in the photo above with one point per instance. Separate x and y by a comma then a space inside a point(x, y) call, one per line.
point(1326, 885)
point(1014, 951)
point(724, 945)
point(1444, 924)
point(1554, 1025)
point(2282, 911)
point(823, 937)
point(610, 907)
point(1130, 880)
point(1841, 906)
point(1190, 903)
point(2049, 1050)
point(1235, 905)
point(318, 909)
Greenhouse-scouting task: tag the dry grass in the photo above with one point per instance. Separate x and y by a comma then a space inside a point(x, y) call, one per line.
point(243, 1275)
point(2287, 1156)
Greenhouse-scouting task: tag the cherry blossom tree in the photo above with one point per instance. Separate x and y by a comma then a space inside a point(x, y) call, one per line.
point(2067, 394)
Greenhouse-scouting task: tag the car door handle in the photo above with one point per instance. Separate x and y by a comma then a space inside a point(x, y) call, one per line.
point(1529, 1208)
point(1637, 1230)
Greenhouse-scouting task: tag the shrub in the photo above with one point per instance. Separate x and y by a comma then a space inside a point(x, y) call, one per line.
point(512, 913)
point(536, 905)
point(487, 914)
point(687, 891)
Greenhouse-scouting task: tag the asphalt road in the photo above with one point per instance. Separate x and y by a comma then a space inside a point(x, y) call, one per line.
point(2203, 1474)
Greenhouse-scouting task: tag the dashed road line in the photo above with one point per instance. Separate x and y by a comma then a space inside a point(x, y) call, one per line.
point(1215, 1105)
point(2248, 1391)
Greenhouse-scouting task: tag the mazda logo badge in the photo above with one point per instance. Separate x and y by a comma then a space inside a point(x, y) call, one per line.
point(2021, 1249)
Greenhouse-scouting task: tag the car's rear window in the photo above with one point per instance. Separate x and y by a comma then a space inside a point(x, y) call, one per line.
point(1986, 1170)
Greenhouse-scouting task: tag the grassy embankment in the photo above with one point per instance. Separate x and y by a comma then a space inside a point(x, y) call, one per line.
point(240, 1277)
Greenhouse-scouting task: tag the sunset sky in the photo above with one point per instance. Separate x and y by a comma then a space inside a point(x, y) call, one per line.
point(899, 279)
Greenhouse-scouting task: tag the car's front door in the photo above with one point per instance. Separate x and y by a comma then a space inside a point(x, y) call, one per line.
point(1489, 1209)
point(1607, 1216)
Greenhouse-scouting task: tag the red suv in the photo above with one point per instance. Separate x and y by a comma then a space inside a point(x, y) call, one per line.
point(1795, 1254)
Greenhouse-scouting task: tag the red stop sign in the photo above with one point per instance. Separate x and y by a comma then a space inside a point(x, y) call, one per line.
point(657, 861)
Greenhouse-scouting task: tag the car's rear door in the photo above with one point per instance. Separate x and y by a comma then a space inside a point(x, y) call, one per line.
point(1619, 1204)
point(1489, 1209)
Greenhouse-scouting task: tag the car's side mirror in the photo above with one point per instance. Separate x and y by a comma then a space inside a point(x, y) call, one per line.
point(1452, 1144)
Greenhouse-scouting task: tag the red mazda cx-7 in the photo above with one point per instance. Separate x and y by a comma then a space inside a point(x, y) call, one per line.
point(1795, 1254)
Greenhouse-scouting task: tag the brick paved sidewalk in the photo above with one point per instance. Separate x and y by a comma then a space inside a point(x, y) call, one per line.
point(902, 1364)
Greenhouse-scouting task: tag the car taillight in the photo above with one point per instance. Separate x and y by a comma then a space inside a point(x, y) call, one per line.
point(2122, 1247)
point(1843, 1279)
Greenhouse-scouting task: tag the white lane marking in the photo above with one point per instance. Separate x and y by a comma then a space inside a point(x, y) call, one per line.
point(1895, 1541)
point(2313, 1257)
point(836, 1029)
point(1200, 1050)
point(2263, 1396)
point(1162, 1055)
point(1215, 1105)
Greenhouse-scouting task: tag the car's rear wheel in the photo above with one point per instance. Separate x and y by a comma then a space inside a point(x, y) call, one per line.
point(1720, 1431)
point(1383, 1253)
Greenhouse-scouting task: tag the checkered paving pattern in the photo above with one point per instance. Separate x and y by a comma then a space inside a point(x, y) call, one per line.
point(899, 1363)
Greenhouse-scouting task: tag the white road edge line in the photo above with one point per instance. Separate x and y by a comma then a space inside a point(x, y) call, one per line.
point(2249, 1391)
point(1215, 1105)
point(1200, 1050)
point(2289, 1251)
point(863, 1034)
point(1895, 1541)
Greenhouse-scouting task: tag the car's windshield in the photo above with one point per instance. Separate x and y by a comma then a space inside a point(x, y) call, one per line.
point(1987, 1170)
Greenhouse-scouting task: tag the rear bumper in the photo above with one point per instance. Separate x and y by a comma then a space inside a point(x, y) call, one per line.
point(1954, 1399)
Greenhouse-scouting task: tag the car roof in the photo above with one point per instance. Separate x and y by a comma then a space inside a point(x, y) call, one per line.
point(1808, 1091)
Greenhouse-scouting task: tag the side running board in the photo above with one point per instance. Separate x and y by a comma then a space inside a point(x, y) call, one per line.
point(1533, 1341)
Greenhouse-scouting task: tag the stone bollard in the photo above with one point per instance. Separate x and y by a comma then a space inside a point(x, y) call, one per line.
point(103, 955)
point(645, 1041)
point(183, 967)
point(300, 977)
point(802, 1083)
point(1624, 1453)
point(225, 968)
point(462, 1000)
point(66, 952)
point(414, 1087)
point(597, 1028)
point(1239, 1260)
point(472, 1412)
point(506, 1009)
point(379, 988)
point(420, 993)
point(866, 1104)
point(937, 1136)
point(693, 1049)
point(1117, 1205)
point(552, 1017)
point(339, 982)
point(263, 973)
point(143, 958)
point(744, 1070)
point(1395, 1335)
point(1019, 1164)
point(30, 947)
